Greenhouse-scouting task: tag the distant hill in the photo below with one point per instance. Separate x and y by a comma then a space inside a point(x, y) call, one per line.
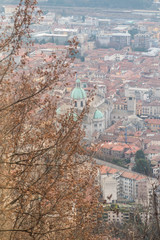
point(136, 4)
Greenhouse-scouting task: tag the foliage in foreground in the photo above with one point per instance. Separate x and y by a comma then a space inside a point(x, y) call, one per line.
point(48, 187)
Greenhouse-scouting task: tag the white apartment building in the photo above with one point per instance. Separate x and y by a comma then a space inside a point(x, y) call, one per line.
point(124, 185)
point(109, 188)
point(151, 109)
point(138, 93)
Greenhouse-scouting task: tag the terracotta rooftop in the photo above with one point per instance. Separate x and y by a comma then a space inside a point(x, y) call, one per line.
point(153, 149)
point(119, 148)
point(125, 174)
point(153, 121)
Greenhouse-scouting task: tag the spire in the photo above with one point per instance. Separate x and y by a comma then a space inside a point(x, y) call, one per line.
point(78, 83)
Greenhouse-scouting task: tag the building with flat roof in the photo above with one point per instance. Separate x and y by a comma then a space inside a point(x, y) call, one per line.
point(142, 41)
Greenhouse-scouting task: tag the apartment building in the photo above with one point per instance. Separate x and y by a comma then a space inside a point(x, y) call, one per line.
point(151, 109)
point(126, 186)
point(121, 213)
point(153, 124)
point(142, 41)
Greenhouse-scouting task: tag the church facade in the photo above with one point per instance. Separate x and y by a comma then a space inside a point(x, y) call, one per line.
point(99, 116)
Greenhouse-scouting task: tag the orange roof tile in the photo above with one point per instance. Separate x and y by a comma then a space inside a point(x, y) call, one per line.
point(125, 174)
point(153, 121)
point(118, 148)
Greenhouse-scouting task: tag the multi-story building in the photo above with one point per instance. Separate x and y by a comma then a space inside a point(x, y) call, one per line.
point(127, 194)
point(126, 187)
point(120, 104)
point(154, 204)
point(143, 191)
point(108, 188)
point(142, 41)
point(126, 182)
point(103, 40)
point(139, 93)
point(116, 40)
point(139, 107)
point(120, 40)
point(121, 213)
point(153, 124)
point(151, 109)
point(131, 186)
point(131, 104)
point(151, 152)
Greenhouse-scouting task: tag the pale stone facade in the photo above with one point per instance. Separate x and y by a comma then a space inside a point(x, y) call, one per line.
point(99, 116)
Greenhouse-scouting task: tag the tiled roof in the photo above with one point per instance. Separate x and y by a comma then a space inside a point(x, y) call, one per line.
point(154, 149)
point(125, 174)
point(153, 121)
point(118, 148)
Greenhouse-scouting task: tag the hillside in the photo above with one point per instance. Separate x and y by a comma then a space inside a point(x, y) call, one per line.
point(137, 4)
point(126, 4)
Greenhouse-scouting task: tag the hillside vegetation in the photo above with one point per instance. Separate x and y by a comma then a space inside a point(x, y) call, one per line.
point(137, 4)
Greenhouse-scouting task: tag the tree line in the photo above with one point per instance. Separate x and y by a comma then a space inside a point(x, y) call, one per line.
point(135, 4)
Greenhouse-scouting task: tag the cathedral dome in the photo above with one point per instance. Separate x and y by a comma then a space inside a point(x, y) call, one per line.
point(74, 115)
point(98, 114)
point(58, 111)
point(78, 92)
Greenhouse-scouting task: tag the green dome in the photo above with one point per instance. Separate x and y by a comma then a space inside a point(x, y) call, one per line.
point(58, 111)
point(78, 81)
point(98, 115)
point(78, 92)
point(75, 117)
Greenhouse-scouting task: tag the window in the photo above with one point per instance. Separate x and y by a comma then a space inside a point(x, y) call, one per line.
point(100, 125)
point(130, 98)
point(75, 104)
point(95, 125)
point(81, 104)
